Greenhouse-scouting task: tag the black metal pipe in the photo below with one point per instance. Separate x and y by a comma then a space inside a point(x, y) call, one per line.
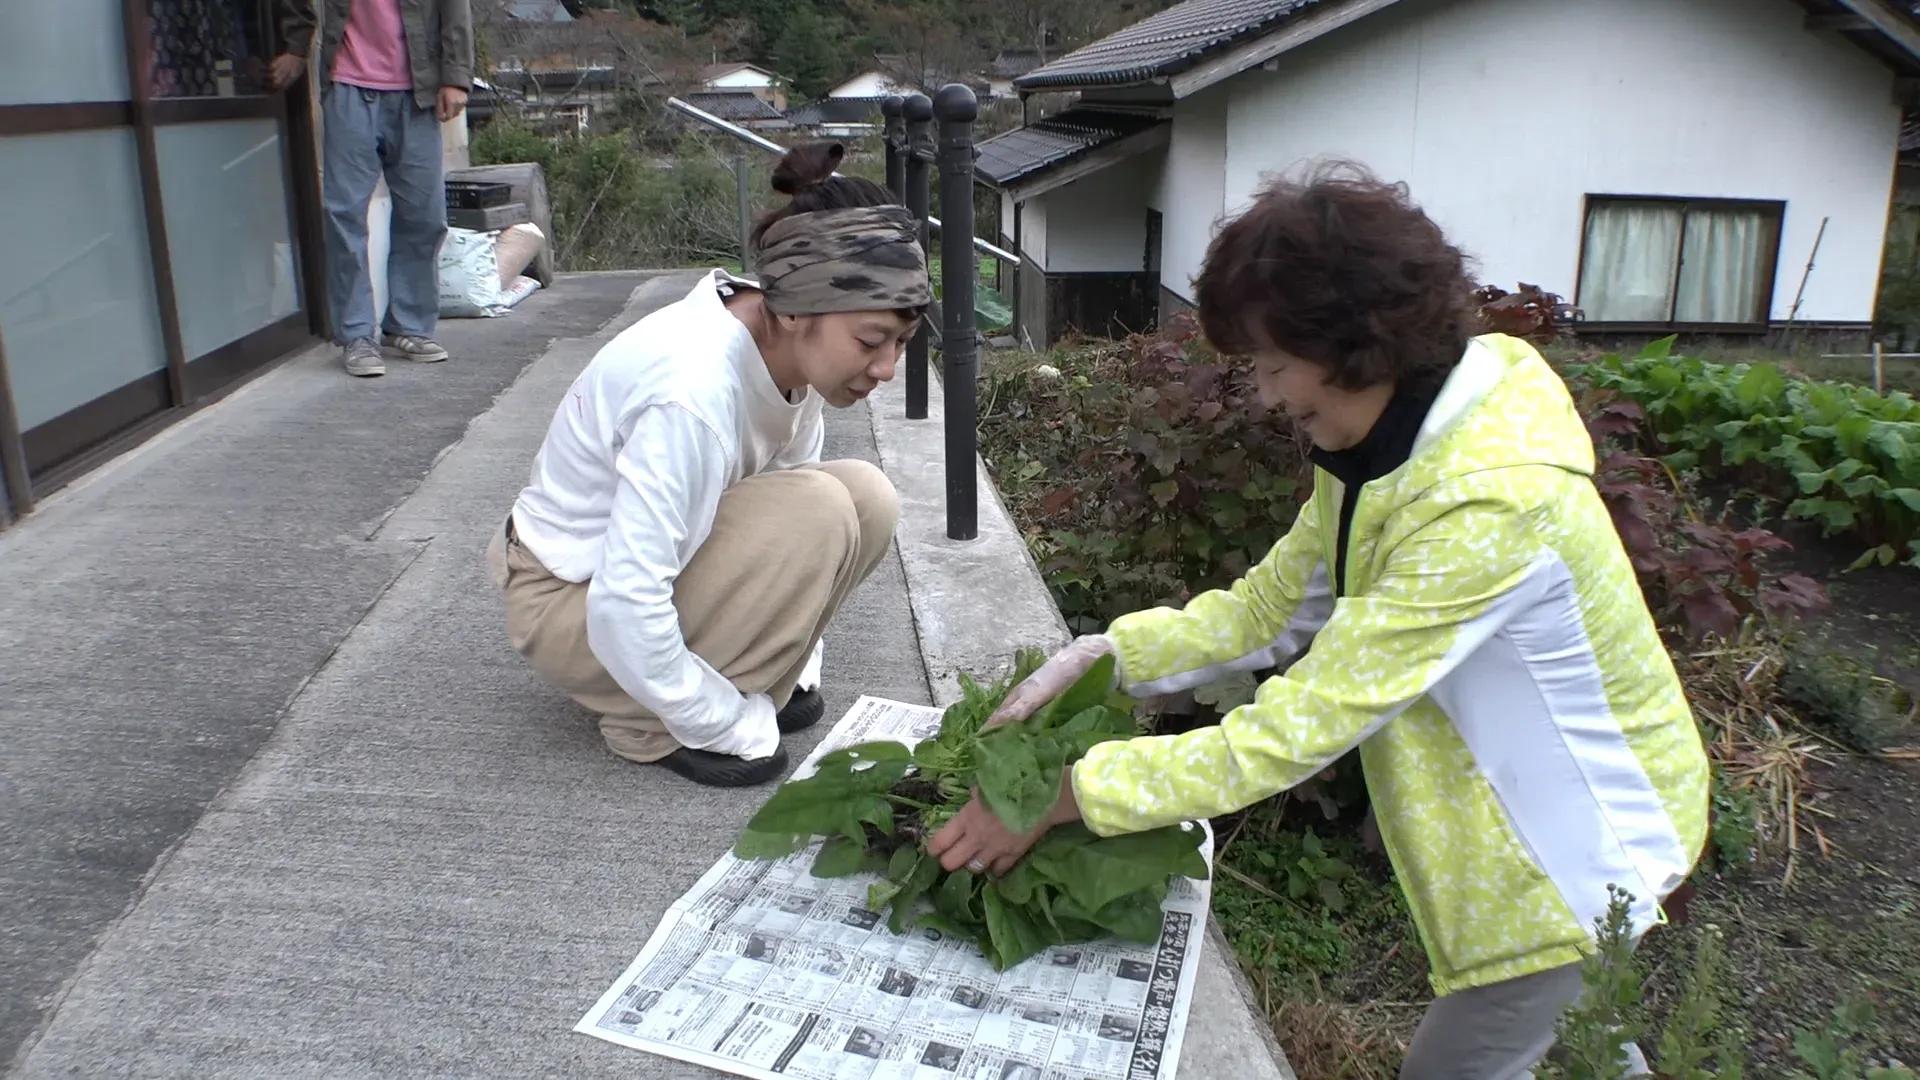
point(895, 140)
point(918, 110)
point(960, 341)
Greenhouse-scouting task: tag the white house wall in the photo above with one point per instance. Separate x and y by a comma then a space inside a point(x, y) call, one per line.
point(866, 85)
point(1502, 115)
point(1095, 224)
point(740, 80)
point(1033, 230)
point(1190, 188)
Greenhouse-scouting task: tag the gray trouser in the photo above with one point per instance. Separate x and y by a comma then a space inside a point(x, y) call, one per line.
point(370, 133)
point(1497, 1032)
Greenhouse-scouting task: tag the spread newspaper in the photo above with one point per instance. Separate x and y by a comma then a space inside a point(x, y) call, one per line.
point(764, 970)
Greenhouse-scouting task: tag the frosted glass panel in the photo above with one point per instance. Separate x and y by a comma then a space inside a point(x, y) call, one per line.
point(76, 287)
point(226, 203)
point(62, 50)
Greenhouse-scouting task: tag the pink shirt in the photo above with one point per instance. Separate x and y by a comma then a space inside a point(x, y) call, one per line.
point(373, 54)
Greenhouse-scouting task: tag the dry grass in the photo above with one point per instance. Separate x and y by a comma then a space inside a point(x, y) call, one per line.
point(1340, 1041)
point(1757, 740)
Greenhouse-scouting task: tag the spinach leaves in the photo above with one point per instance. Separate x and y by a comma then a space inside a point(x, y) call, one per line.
point(878, 803)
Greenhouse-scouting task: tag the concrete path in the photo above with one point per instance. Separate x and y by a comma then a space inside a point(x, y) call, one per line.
point(157, 620)
point(279, 800)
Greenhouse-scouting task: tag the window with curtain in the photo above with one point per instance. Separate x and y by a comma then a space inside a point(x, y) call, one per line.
point(1678, 262)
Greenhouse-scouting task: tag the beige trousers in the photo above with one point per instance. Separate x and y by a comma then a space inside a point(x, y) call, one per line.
point(786, 549)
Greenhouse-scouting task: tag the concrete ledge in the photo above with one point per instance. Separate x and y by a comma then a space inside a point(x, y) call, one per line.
point(973, 604)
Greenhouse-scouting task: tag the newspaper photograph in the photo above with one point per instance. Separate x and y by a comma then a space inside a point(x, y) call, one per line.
point(763, 970)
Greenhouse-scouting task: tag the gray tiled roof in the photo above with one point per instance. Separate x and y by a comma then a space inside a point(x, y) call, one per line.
point(856, 110)
point(735, 107)
point(1021, 153)
point(1011, 63)
point(1166, 43)
point(1181, 36)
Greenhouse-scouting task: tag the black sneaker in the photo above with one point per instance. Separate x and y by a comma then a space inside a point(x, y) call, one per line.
point(803, 710)
point(724, 770)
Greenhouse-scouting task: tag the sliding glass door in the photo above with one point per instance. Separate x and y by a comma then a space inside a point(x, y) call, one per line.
point(157, 202)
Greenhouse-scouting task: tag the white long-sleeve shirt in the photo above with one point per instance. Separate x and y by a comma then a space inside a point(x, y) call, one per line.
point(665, 418)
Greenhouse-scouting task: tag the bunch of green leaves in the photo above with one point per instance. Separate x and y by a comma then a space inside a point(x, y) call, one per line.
point(877, 804)
point(1835, 454)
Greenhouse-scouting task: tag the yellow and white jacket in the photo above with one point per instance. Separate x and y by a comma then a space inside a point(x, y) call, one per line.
point(1525, 738)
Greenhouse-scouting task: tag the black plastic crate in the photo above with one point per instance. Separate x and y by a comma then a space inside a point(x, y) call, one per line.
point(477, 194)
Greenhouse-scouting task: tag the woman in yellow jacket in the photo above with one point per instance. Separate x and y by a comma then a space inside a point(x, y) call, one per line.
point(1453, 600)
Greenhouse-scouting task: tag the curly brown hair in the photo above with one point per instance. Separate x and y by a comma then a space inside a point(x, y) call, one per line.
point(1344, 270)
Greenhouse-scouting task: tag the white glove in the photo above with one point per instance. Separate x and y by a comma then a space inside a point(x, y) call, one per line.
point(1054, 678)
point(810, 675)
point(754, 735)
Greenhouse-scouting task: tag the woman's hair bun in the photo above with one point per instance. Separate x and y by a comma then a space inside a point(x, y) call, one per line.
point(806, 166)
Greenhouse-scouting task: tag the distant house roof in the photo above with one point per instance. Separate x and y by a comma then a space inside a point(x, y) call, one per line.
point(1012, 63)
point(852, 110)
point(552, 11)
point(1023, 154)
point(738, 107)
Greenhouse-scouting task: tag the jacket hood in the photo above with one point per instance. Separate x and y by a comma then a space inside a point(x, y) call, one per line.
point(1503, 405)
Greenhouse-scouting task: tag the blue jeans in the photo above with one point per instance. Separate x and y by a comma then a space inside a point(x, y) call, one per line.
point(369, 132)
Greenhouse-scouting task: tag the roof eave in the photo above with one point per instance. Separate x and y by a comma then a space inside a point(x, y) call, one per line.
point(1190, 74)
point(1065, 170)
point(1892, 25)
point(1066, 84)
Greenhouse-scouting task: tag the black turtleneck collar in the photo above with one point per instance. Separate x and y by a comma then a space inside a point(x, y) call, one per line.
point(1388, 445)
point(1386, 448)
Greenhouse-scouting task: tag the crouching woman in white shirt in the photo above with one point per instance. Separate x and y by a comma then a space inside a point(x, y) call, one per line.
point(681, 547)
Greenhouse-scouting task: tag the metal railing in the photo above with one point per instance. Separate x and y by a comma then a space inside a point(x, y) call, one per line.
point(755, 139)
point(913, 149)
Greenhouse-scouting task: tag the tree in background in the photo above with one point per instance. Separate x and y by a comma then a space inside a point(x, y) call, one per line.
point(818, 43)
point(809, 48)
point(922, 42)
point(1052, 27)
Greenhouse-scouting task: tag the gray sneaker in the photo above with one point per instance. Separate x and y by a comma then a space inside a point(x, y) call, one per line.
point(362, 358)
point(423, 350)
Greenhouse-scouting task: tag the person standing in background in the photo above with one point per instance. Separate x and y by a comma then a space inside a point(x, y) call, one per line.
point(392, 72)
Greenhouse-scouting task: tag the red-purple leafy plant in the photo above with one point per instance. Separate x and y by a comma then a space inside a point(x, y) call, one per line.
point(1701, 575)
point(1531, 313)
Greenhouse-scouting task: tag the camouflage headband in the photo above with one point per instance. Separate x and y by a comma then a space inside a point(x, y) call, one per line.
point(862, 259)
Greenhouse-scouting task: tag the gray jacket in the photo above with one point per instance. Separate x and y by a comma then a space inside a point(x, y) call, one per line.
point(439, 40)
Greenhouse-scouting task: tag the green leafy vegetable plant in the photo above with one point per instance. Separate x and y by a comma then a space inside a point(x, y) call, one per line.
point(878, 803)
point(1840, 456)
point(1833, 1055)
